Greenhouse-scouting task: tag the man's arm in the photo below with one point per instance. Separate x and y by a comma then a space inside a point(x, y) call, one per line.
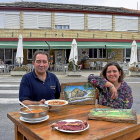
point(28, 102)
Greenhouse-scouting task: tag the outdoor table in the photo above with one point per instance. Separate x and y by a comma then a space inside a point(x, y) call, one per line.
point(100, 130)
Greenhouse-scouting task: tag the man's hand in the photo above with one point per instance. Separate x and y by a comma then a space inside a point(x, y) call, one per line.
point(42, 101)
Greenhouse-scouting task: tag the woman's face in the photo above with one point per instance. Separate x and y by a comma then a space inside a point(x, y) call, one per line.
point(112, 74)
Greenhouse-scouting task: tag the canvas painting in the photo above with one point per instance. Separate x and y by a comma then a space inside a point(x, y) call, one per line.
point(114, 115)
point(79, 92)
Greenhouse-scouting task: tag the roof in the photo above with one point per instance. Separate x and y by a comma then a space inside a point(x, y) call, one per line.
point(67, 7)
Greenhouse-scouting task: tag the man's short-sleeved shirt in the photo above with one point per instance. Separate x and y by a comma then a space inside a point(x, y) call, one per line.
point(34, 89)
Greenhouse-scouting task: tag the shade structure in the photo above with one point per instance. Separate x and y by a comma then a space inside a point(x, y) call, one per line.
point(74, 52)
point(133, 57)
point(19, 54)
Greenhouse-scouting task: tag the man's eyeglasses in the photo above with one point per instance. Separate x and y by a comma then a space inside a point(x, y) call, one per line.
point(43, 61)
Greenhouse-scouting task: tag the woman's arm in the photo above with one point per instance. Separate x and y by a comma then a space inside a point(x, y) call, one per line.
point(102, 82)
point(113, 90)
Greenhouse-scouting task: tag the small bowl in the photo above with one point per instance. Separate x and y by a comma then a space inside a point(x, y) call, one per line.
point(34, 115)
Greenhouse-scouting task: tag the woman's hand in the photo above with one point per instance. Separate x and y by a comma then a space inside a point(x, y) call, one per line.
point(114, 94)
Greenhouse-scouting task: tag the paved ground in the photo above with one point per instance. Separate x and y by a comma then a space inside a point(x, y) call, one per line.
point(9, 86)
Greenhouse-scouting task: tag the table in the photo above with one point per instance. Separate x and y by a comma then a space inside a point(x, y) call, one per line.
point(100, 130)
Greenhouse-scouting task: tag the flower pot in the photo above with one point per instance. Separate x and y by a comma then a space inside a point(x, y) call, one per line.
point(73, 73)
point(134, 73)
point(18, 73)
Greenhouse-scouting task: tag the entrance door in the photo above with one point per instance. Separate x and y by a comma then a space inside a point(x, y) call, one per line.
point(8, 56)
point(59, 57)
point(126, 55)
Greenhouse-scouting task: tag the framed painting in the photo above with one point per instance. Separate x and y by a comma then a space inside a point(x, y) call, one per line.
point(78, 93)
point(113, 115)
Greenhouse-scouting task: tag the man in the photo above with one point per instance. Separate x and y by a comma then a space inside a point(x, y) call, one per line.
point(1, 62)
point(39, 85)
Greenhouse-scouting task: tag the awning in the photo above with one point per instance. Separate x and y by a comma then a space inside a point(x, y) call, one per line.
point(66, 45)
point(26, 44)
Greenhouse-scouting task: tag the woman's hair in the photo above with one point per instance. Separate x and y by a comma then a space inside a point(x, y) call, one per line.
point(103, 73)
point(40, 52)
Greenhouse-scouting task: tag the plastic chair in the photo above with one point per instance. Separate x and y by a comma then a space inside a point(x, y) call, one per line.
point(125, 67)
point(98, 65)
point(103, 64)
point(91, 65)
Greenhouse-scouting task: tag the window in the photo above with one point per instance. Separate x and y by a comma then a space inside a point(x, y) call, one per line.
point(100, 22)
point(31, 52)
point(126, 23)
point(62, 27)
point(37, 20)
point(9, 20)
point(70, 21)
point(97, 53)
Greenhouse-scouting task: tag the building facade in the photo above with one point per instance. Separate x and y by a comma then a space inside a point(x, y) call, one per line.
point(102, 33)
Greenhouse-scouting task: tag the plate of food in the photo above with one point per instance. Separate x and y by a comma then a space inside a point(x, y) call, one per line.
point(56, 102)
point(70, 126)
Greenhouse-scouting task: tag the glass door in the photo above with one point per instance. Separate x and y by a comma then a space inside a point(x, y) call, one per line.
point(126, 55)
point(8, 56)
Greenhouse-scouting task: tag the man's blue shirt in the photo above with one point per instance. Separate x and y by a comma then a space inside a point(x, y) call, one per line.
point(34, 89)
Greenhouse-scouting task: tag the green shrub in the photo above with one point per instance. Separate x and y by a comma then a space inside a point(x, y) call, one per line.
point(70, 66)
point(133, 68)
point(23, 68)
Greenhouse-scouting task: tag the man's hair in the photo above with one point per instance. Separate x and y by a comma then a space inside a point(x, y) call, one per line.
point(40, 52)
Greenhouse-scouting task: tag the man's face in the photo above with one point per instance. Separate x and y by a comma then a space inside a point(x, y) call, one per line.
point(41, 63)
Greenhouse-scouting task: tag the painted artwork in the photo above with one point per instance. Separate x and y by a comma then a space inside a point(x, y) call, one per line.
point(79, 93)
point(105, 112)
point(113, 115)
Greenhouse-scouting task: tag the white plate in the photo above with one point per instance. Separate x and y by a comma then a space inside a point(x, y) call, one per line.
point(46, 102)
point(68, 131)
point(34, 121)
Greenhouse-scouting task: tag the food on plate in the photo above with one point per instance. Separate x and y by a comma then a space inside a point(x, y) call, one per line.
point(34, 111)
point(59, 102)
point(72, 126)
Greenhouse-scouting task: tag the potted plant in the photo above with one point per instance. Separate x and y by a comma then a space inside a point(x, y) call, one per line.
point(20, 70)
point(134, 71)
point(73, 69)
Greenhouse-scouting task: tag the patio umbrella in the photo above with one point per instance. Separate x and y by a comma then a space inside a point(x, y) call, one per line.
point(19, 54)
point(74, 52)
point(133, 57)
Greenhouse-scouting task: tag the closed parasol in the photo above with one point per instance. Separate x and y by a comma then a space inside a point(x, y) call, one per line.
point(133, 57)
point(19, 54)
point(74, 52)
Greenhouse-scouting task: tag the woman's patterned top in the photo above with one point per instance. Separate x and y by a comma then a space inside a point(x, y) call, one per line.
point(124, 100)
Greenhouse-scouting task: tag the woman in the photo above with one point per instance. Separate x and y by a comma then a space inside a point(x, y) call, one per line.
point(114, 92)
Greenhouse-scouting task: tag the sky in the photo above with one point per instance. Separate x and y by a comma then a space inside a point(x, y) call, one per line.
point(131, 4)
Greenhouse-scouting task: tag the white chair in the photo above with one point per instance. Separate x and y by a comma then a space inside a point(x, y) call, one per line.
point(79, 67)
point(98, 65)
point(65, 67)
point(121, 64)
point(30, 66)
point(103, 64)
point(92, 65)
point(125, 67)
point(138, 64)
point(10, 67)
